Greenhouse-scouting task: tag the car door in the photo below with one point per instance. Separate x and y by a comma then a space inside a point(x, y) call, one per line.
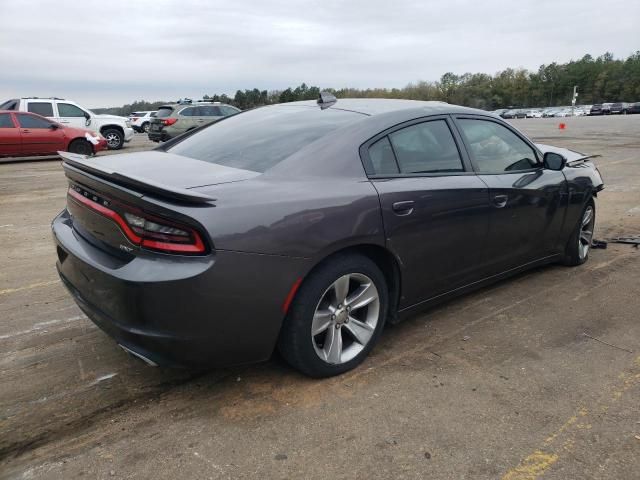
point(188, 119)
point(434, 208)
point(527, 201)
point(38, 136)
point(10, 138)
point(72, 115)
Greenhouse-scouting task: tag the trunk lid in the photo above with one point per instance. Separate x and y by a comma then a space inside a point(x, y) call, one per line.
point(122, 203)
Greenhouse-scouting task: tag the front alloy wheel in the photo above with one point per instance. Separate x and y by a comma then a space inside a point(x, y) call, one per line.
point(586, 232)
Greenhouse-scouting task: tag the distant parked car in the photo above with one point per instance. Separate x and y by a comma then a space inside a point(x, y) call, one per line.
point(117, 130)
point(619, 108)
point(176, 119)
point(634, 107)
point(596, 109)
point(140, 121)
point(549, 112)
point(515, 113)
point(533, 113)
point(565, 112)
point(25, 134)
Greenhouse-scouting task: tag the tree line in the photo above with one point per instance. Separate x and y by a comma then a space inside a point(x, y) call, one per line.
point(600, 79)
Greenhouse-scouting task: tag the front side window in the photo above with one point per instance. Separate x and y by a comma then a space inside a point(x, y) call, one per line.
point(495, 148)
point(31, 121)
point(68, 110)
point(41, 108)
point(5, 121)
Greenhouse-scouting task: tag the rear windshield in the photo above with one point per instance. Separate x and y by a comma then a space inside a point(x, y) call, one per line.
point(259, 139)
point(164, 112)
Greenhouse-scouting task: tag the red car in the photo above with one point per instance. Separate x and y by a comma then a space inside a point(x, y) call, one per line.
point(27, 134)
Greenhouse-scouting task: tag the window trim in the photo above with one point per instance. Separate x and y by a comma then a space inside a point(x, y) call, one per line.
point(467, 148)
point(366, 161)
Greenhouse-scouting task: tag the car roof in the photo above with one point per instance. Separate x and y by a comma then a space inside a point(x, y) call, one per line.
point(377, 106)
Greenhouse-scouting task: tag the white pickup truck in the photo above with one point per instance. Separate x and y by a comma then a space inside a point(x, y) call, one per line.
point(116, 130)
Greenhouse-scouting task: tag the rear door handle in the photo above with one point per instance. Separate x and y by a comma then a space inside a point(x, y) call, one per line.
point(500, 201)
point(403, 208)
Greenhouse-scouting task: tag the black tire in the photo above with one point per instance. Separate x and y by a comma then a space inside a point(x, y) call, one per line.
point(81, 146)
point(296, 343)
point(573, 255)
point(115, 138)
point(145, 127)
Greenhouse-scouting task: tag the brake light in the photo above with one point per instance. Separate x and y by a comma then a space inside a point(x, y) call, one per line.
point(145, 230)
point(169, 121)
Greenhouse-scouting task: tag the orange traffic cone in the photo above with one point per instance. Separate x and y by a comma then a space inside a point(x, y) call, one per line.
point(562, 126)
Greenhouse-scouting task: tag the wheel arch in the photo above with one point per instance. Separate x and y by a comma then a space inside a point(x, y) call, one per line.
point(112, 126)
point(383, 258)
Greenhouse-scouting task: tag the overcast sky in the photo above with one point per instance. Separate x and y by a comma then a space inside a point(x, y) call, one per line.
point(110, 53)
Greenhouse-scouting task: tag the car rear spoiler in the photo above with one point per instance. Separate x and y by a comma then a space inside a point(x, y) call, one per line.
point(81, 162)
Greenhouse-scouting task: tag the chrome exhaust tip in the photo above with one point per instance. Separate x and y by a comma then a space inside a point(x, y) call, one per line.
point(138, 355)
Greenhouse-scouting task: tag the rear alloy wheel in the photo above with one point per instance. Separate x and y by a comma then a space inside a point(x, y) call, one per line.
point(145, 127)
point(577, 250)
point(81, 147)
point(115, 138)
point(336, 317)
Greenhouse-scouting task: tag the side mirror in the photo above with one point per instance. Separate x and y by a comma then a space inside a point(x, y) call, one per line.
point(87, 119)
point(87, 116)
point(554, 161)
point(54, 126)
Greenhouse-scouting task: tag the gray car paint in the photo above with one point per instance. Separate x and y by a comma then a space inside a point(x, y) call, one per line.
point(268, 231)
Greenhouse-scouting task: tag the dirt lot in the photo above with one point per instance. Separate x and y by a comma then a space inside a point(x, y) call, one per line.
point(502, 383)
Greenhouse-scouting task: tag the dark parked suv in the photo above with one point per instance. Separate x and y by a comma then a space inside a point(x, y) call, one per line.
point(176, 119)
point(619, 108)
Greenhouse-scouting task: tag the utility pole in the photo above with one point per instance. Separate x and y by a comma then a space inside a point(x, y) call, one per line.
point(573, 99)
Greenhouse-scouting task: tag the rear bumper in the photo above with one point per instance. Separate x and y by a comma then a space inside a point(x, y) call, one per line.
point(217, 310)
point(160, 136)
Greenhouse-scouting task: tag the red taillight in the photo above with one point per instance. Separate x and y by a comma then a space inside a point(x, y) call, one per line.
point(169, 121)
point(148, 231)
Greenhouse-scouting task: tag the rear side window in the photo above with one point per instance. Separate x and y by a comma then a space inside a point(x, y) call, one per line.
point(426, 147)
point(31, 121)
point(209, 111)
point(5, 121)
point(10, 105)
point(495, 148)
point(259, 139)
point(41, 108)
point(226, 110)
point(68, 110)
point(189, 112)
point(383, 161)
point(164, 112)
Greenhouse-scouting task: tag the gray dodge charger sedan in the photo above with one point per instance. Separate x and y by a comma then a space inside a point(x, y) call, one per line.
point(306, 226)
